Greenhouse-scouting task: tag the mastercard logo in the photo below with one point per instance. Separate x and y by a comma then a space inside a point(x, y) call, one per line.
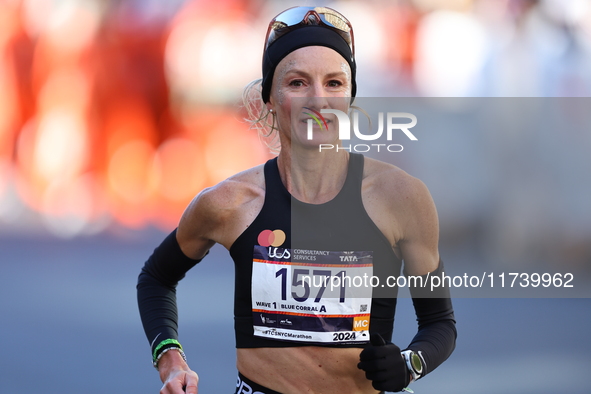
point(271, 238)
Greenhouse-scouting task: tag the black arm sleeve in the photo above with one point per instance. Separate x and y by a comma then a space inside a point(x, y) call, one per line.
point(156, 290)
point(436, 337)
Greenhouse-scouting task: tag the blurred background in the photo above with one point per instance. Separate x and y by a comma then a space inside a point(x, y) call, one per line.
point(115, 113)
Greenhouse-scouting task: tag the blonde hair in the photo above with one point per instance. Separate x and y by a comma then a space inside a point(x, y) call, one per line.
point(257, 115)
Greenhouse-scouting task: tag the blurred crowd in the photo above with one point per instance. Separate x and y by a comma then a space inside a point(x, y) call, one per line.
point(117, 112)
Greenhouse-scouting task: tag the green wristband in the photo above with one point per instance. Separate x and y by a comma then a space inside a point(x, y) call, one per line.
point(160, 346)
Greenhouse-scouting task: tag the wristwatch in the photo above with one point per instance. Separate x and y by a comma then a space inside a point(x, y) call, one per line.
point(414, 362)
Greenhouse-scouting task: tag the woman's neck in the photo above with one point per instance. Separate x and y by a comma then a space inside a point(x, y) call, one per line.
point(311, 176)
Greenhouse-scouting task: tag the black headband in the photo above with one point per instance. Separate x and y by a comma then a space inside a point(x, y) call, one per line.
point(305, 36)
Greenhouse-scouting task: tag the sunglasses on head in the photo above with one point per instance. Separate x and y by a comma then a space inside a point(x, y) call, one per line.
point(295, 17)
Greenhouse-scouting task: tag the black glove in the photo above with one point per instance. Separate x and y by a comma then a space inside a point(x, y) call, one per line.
point(384, 365)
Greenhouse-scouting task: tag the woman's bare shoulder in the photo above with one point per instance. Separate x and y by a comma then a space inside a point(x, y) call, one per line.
point(235, 191)
point(390, 192)
point(220, 212)
point(391, 181)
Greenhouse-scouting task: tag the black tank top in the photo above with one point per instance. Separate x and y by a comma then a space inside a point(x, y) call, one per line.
point(341, 224)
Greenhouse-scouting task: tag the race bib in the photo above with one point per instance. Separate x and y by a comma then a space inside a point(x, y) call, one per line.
point(311, 295)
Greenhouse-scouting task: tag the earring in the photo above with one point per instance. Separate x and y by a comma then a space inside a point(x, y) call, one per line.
point(274, 120)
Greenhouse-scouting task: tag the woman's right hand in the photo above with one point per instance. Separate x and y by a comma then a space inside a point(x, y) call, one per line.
point(176, 375)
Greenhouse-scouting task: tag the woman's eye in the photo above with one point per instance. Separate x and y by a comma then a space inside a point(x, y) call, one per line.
point(296, 82)
point(334, 83)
